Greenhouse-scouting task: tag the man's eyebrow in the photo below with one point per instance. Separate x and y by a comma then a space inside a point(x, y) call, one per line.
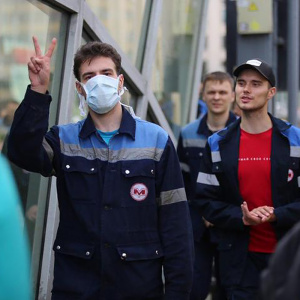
point(101, 71)
point(107, 70)
point(87, 73)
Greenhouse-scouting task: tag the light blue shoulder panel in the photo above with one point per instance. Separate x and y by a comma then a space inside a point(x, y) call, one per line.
point(293, 135)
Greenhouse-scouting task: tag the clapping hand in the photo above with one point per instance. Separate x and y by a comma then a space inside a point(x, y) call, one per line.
point(257, 215)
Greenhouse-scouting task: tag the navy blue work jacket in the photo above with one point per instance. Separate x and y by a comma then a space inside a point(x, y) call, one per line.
point(123, 208)
point(190, 149)
point(220, 200)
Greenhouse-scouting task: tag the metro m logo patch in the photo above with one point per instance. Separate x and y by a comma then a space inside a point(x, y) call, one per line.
point(139, 192)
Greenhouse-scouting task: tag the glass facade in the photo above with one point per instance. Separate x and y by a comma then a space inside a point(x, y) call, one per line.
point(127, 22)
point(160, 43)
point(174, 59)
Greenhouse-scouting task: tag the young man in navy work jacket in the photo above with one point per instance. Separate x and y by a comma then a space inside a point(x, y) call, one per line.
point(123, 210)
point(217, 93)
point(248, 185)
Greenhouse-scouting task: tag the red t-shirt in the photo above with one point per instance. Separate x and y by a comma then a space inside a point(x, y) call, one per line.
point(254, 173)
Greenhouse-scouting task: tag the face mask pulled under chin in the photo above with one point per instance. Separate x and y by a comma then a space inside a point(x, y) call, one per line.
point(101, 94)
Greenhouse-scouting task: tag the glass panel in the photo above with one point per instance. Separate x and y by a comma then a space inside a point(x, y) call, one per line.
point(174, 58)
point(150, 117)
point(18, 23)
point(127, 21)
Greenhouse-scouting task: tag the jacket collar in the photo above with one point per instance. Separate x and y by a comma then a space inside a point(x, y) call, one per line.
point(127, 125)
point(277, 125)
point(203, 128)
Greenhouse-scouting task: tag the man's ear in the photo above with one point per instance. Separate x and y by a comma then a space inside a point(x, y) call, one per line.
point(272, 92)
point(79, 88)
point(121, 82)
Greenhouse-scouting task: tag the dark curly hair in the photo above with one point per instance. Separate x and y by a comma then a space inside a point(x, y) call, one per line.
point(95, 49)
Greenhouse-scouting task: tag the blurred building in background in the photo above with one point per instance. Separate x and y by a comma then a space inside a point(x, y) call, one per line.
point(269, 30)
point(214, 55)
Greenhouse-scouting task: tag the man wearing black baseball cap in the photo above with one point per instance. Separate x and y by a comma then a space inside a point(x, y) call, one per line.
point(262, 67)
point(248, 183)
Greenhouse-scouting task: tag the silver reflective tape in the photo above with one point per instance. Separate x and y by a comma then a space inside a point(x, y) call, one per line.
point(173, 196)
point(209, 179)
point(295, 151)
point(135, 154)
point(185, 167)
point(49, 152)
point(215, 156)
point(112, 155)
point(298, 179)
point(88, 153)
point(48, 149)
point(194, 143)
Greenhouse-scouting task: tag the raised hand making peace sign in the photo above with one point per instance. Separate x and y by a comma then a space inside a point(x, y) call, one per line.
point(39, 67)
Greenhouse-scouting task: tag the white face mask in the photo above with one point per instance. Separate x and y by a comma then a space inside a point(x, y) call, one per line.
point(101, 94)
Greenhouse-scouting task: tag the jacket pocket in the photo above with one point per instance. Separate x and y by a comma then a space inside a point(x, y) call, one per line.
point(138, 184)
point(139, 273)
point(294, 163)
point(79, 164)
point(225, 241)
point(81, 177)
point(138, 252)
point(224, 246)
point(76, 249)
point(145, 168)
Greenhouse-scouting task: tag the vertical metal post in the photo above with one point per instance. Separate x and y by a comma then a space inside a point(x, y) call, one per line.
point(196, 74)
point(272, 103)
point(293, 60)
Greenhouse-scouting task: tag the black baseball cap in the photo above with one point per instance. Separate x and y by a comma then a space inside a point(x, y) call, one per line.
point(260, 66)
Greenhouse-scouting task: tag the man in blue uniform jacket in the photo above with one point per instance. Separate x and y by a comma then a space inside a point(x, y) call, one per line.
point(218, 95)
point(248, 185)
point(123, 211)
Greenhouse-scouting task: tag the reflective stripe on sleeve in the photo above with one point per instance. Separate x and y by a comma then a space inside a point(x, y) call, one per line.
point(48, 149)
point(198, 143)
point(171, 197)
point(215, 156)
point(185, 167)
point(295, 151)
point(49, 152)
point(209, 179)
